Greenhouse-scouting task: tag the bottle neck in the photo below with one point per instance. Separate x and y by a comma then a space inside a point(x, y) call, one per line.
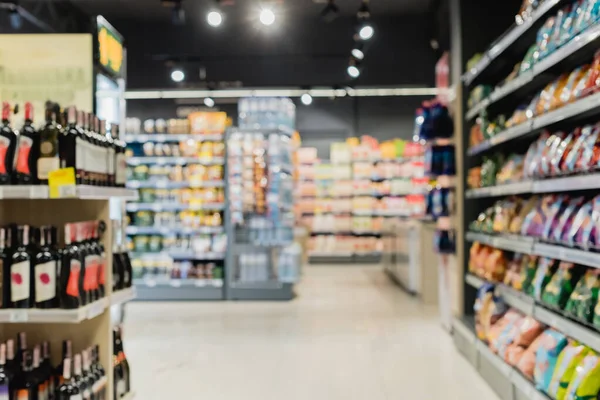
point(22, 341)
point(77, 367)
point(2, 355)
point(2, 238)
point(10, 349)
point(28, 113)
point(36, 357)
point(23, 235)
point(68, 233)
point(46, 350)
point(44, 236)
point(67, 349)
point(67, 369)
point(86, 361)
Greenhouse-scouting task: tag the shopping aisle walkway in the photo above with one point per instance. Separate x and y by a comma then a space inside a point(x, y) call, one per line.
point(350, 335)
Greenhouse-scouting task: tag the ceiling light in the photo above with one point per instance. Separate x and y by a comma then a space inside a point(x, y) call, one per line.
point(306, 99)
point(214, 18)
point(267, 16)
point(209, 102)
point(353, 71)
point(358, 53)
point(330, 12)
point(177, 75)
point(366, 32)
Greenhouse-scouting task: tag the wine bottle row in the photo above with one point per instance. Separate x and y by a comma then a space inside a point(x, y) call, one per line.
point(36, 273)
point(72, 139)
point(28, 374)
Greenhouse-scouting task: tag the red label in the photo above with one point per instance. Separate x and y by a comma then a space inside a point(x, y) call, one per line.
point(101, 269)
point(3, 150)
point(25, 145)
point(73, 282)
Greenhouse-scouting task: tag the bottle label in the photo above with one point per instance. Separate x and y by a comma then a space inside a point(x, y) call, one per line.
point(111, 161)
point(42, 391)
point(19, 281)
point(90, 276)
point(121, 388)
point(101, 269)
point(21, 394)
point(87, 395)
point(4, 393)
point(4, 144)
point(46, 165)
point(80, 154)
point(24, 149)
point(121, 169)
point(73, 282)
point(76, 397)
point(45, 281)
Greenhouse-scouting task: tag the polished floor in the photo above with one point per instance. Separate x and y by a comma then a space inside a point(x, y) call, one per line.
point(350, 335)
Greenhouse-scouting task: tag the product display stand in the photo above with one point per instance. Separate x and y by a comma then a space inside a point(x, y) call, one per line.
point(564, 249)
point(86, 326)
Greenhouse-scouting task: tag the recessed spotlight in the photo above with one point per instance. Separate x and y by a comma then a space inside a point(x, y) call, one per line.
point(209, 102)
point(214, 18)
point(358, 53)
point(366, 32)
point(267, 16)
point(306, 99)
point(177, 75)
point(353, 71)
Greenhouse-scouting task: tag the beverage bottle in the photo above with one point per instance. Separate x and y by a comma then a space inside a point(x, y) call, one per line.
point(103, 151)
point(70, 272)
point(67, 143)
point(38, 376)
point(78, 379)
point(49, 159)
point(99, 370)
point(100, 257)
point(4, 380)
point(88, 377)
point(5, 258)
point(90, 262)
point(46, 264)
point(67, 390)
point(24, 387)
point(27, 151)
point(89, 157)
point(84, 288)
point(82, 146)
point(118, 371)
point(11, 366)
point(8, 144)
point(21, 347)
point(47, 370)
point(20, 271)
point(67, 354)
point(120, 159)
point(123, 359)
point(111, 156)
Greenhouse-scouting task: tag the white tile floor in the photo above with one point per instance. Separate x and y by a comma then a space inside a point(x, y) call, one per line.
point(350, 335)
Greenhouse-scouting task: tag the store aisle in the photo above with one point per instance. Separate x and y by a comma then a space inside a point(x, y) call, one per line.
point(349, 335)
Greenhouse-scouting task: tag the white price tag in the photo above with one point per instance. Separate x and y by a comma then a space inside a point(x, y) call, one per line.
point(217, 283)
point(161, 161)
point(200, 282)
point(67, 191)
point(95, 309)
point(160, 138)
point(175, 283)
point(19, 316)
point(150, 283)
point(157, 207)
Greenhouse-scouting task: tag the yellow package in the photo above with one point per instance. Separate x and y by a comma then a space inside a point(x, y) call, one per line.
point(567, 361)
point(543, 104)
point(555, 100)
point(586, 379)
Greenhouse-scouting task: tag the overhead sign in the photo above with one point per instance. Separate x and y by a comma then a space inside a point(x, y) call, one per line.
point(110, 47)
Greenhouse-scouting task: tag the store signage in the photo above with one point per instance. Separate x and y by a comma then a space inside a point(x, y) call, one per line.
point(110, 47)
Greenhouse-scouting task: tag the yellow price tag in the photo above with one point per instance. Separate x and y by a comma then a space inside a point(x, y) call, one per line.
point(62, 183)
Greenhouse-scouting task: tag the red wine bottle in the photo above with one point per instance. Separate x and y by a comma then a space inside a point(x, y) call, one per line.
point(20, 271)
point(8, 144)
point(38, 377)
point(27, 151)
point(67, 144)
point(88, 376)
point(5, 258)
point(83, 284)
point(98, 248)
point(70, 271)
point(21, 347)
point(46, 267)
point(78, 379)
point(49, 159)
point(4, 379)
point(24, 384)
point(100, 372)
point(67, 353)
point(11, 365)
point(67, 390)
point(47, 370)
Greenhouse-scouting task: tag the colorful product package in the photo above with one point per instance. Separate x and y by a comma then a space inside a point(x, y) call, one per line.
point(546, 357)
point(529, 330)
point(559, 289)
point(581, 230)
point(594, 76)
point(495, 266)
point(553, 216)
point(581, 87)
point(585, 296)
point(549, 153)
point(500, 344)
point(557, 157)
point(543, 104)
point(502, 327)
point(590, 153)
point(543, 38)
point(525, 208)
point(545, 269)
point(489, 309)
point(513, 270)
point(566, 219)
point(585, 382)
point(566, 28)
point(526, 364)
point(567, 361)
point(527, 273)
point(566, 95)
point(534, 223)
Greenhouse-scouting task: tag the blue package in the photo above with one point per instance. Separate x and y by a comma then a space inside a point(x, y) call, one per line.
point(546, 356)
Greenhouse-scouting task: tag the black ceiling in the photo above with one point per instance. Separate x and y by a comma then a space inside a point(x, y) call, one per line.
point(154, 10)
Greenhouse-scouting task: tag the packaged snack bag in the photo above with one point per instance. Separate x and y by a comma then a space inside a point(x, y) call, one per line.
point(585, 381)
point(553, 216)
point(529, 330)
point(585, 296)
point(513, 354)
point(594, 76)
point(473, 251)
point(568, 23)
point(527, 362)
point(500, 344)
point(555, 100)
point(585, 158)
point(543, 104)
point(552, 344)
point(513, 270)
point(581, 228)
point(587, 14)
point(529, 59)
point(558, 155)
point(534, 222)
point(559, 289)
point(566, 94)
point(527, 273)
point(495, 266)
point(566, 219)
point(579, 89)
point(489, 310)
point(549, 153)
point(543, 38)
point(567, 361)
point(545, 269)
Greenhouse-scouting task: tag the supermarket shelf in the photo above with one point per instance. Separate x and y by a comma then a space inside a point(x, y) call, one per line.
point(261, 291)
point(501, 190)
point(183, 290)
point(132, 207)
point(515, 243)
point(74, 316)
point(179, 255)
point(510, 87)
point(123, 296)
point(171, 137)
point(474, 281)
point(152, 230)
point(506, 381)
point(84, 192)
point(507, 40)
point(504, 136)
point(167, 184)
point(329, 254)
point(169, 160)
point(473, 112)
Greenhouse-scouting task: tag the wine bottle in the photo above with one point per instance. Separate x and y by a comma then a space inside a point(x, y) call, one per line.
point(121, 160)
point(111, 157)
point(103, 151)
point(67, 390)
point(5, 258)
point(4, 380)
point(47, 370)
point(88, 377)
point(118, 372)
point(93, 152)
point(27, 151)
point(49, 159)
point(46, 267)
point(70, 271)
point(20, 271)
point(24, 385)
point(127, 268)
point(92, 261)
point(67, 354)
point(123, 359)
point(103, 380)
point(38, 377)
point(8, 144)
point(68, 145)
point(11, 366)
point(78, 379)
point(80, 240)
point(21, 347)
point(83, 147)
point(97, 248)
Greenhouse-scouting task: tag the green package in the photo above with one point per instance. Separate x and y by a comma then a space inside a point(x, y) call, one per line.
point(585, 296)
point(545, 269)
point(567, 362)
point(526, 273)
point(585, 383)
point(561, 285)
